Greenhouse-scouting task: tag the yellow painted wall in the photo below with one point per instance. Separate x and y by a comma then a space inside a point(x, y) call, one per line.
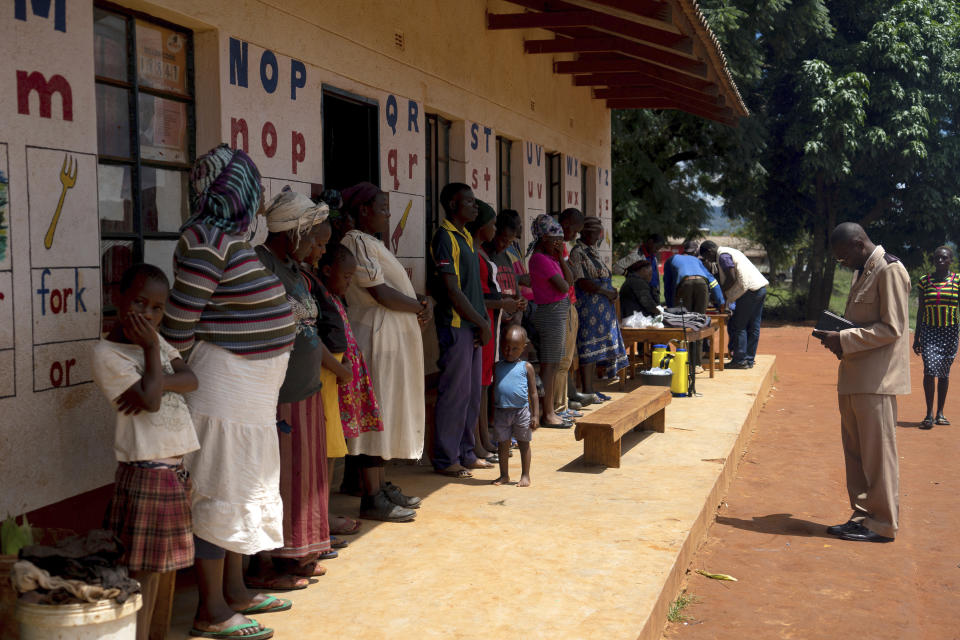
point(56, 439)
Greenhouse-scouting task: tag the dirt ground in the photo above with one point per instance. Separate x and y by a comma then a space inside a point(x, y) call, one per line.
point(794, 580)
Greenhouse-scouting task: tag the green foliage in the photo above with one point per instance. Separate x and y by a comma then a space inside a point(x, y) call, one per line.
point(675, 613)
point(14, 537)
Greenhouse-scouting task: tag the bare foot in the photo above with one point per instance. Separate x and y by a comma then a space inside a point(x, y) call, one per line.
point(237, 619)
point(501, 480)
point(524, 481)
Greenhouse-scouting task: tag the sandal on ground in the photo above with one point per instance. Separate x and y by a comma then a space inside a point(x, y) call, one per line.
point(338, 543)
point(329, 554)
point(345, 530)
point(927, 423)
point(603, 396)
point(460, 474)
point(269, 605)
point(310, 570)
point(566, 424)
point(231, 632)
point(941, 420)
point(479, 464)
point(493, 458)
point(276, 582)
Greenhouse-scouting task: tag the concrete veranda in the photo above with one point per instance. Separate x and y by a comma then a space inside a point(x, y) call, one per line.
point(585, 552)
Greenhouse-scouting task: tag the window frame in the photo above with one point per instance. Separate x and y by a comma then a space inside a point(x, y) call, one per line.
point(554, 180)
point(136, 164)
point(504, 173)
point(435, 144)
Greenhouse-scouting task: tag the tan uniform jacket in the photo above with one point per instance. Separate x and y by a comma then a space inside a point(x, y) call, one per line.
point(876, 355)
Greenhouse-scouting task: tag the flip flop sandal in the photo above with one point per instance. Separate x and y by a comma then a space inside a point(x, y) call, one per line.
point(276, 582)
point(264, 606)
point(230, 631)
point(346, 531)
point(603, 396)
point(941, 420)
point(328, 555)
point(565, 425)
point(493, 458)
point(338, 543)
point(927, 423)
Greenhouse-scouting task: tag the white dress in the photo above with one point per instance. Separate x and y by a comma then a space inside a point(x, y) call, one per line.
point(392, 346)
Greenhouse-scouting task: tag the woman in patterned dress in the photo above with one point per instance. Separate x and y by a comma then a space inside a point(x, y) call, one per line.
point(598, 338)
point(938, 327)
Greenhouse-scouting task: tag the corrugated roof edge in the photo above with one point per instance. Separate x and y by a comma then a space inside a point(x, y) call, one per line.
point(691, 9)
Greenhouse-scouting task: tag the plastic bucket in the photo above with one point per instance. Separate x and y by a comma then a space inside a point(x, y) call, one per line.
point(656, 380)
point(103, 620)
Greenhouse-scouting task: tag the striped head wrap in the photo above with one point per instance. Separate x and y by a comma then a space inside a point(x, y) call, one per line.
point(225, 190)
point(294, 213)
point(543, 226)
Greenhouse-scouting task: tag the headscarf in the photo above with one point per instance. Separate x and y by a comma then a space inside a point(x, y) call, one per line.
point(592, 221)
point(359, 195)
point(542, 227)
point(484, 215)
point(292, 211)
point(225, 190)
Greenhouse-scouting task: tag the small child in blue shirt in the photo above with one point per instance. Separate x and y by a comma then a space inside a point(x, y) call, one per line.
point(515, 399)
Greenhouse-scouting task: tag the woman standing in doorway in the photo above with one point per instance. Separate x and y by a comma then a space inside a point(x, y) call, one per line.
point(938, 328)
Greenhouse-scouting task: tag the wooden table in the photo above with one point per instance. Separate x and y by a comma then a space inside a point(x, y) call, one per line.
point(720, 319)
point(664, 336)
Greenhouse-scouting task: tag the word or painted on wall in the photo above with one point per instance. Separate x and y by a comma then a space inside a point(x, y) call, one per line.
point(272, 86)
point(402, 150)
point(534, 172)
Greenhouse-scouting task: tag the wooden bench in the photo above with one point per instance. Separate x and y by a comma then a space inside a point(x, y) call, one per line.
point(602, 429)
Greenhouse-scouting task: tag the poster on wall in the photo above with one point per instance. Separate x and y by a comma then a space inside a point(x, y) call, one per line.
point(62, 196)
point(161, 58)
point(407, 227)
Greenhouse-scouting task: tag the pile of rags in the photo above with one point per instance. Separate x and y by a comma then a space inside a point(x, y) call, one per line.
point(75, 570)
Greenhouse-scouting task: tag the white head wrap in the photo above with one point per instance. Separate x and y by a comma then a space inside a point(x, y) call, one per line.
point(292, 211)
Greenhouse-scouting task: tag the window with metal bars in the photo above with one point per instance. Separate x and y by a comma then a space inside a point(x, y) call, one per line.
point(145, 139)
point(504, 169)
point(438, 170)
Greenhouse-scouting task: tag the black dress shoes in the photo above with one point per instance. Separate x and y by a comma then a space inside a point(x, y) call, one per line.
point(861, 534)
point(584, 399)
point(840, 529)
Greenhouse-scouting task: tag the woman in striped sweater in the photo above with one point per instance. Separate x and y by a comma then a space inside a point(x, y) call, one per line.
point(230, 317)
point(938, 330)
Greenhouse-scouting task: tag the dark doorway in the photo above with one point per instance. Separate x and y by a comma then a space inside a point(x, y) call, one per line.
point(351, 144)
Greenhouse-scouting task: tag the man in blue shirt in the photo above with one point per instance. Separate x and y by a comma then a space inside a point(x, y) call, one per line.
point(686, 281)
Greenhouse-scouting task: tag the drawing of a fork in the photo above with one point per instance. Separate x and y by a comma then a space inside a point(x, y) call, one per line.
point(68, 178)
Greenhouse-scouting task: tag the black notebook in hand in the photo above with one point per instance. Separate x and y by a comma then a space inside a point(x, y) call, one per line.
point(829, 321)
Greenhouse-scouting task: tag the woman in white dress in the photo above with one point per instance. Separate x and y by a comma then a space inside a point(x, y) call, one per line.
point(386, 315)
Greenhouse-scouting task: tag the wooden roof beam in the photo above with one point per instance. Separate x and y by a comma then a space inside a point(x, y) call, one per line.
point(629, 9)
point(628, 67)
point(660, 91)
point(639, 80)
point(723, 115)
point(639, 51)
point(635, 32)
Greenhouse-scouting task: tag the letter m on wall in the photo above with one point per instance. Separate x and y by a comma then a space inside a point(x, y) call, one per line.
point(29, 82)
point(41, 8)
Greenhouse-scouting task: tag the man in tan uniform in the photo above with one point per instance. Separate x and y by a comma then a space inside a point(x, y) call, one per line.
point(874, 369)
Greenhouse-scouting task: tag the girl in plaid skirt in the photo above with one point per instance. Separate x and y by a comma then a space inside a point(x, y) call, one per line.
point(143, 376)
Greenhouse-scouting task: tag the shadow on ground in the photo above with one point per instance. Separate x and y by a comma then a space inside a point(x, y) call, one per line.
point(783, 524)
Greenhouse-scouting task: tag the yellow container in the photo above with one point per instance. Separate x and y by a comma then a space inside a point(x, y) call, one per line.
point(681, 374)
point(659, 350)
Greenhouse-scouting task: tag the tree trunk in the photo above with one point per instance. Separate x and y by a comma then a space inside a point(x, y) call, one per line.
point(819, 246)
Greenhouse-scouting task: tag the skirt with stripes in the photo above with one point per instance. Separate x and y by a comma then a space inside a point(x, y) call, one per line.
point(302, 431)
point(938, 347)
point(150, 514)
point(551, 323)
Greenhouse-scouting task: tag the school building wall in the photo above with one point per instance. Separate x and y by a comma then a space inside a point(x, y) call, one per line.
point(260, 69)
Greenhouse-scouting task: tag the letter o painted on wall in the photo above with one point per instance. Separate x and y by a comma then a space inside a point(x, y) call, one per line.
point(268, 138)
point(269, 60)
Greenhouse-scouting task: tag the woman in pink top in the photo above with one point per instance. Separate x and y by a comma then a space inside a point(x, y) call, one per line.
point(550, 279)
